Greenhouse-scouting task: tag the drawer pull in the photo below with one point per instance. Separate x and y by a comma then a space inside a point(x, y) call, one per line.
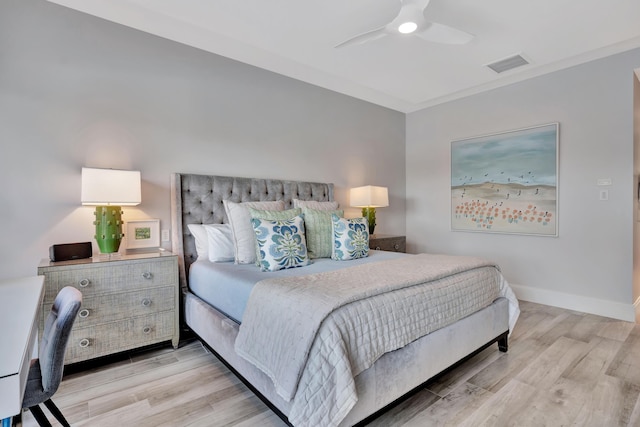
point(84, 283)
point(84, 343)
point(146, 302)
point(146, 330)
point(147, 275)
point(396, 246)
point(84, 313)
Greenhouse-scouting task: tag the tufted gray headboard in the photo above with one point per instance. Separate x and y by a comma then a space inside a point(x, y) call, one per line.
point(197, 199)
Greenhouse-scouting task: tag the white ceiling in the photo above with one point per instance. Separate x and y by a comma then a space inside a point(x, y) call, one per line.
point(296, 38)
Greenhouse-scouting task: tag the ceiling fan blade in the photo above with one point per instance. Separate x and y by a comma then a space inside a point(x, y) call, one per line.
point(440, 33)
point(364, 37)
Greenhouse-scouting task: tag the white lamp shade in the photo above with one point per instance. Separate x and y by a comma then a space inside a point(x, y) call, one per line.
point(110, 187)
point(369, 197)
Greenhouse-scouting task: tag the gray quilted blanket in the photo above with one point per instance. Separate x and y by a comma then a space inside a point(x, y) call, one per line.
point(313, 334)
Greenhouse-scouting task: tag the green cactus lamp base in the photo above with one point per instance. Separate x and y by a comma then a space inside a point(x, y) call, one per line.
point(108, 228)
point(370, 215)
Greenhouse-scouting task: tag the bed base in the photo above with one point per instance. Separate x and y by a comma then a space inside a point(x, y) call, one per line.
point(395, 377)
point(502, 341)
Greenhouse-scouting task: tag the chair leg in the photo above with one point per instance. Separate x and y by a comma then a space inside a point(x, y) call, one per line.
point(56, 412)
point(39, 416)
point(17, 419)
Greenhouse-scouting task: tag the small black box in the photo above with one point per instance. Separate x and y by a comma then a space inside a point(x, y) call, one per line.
point(69, 251)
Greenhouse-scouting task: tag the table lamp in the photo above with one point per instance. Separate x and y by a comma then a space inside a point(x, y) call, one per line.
point(369, 198)
point(108, 190)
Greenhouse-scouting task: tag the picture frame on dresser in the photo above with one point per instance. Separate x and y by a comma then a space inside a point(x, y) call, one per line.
point(142, 233)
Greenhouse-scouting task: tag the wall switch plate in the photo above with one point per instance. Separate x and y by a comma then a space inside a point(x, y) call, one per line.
point(604, 194)
point(165, 235)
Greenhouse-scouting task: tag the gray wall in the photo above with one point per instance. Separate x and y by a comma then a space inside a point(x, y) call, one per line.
point(589, 265)
point(79, 91)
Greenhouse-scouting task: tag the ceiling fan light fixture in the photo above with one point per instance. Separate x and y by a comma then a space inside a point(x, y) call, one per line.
point(410, 20)
point(407, 27)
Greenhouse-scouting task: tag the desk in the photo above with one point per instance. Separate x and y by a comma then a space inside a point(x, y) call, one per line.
point(20, 302)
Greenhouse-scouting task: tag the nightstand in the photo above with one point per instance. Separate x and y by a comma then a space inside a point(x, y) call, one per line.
point(388, 242)
point(129, 301)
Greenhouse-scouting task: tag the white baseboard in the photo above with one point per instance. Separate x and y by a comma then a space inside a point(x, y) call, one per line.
point(600, 307)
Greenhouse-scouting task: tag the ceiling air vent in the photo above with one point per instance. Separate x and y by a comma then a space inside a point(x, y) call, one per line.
point(508, 63)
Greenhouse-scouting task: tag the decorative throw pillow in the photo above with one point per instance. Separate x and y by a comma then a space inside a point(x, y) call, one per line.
point(350, 238)
point(312, 204)
point(271, 216)
point(281, 242)
point(199, 233)
point(220, 242)
point(240, 221)
point(319, 232)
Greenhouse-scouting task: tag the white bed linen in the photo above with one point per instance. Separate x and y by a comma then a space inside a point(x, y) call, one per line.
point(357, 331)
point(227, 286)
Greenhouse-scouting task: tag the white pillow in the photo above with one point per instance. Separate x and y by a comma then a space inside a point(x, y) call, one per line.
point(243, 234)
point(202, 241)
point(318, 206)
point(213, 241)
point(220, 242)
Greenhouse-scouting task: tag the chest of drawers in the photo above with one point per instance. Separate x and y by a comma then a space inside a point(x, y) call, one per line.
point(388, 242)
point(127, 302)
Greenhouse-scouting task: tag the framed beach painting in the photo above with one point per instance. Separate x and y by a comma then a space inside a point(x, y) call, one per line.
point(506, 182)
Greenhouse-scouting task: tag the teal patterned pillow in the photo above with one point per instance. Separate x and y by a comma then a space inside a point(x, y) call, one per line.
point(319, 232)
point(350, 238)
point(272, 216)
point(282, 243)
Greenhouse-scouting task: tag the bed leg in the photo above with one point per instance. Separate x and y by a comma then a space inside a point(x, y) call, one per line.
point(503, 342)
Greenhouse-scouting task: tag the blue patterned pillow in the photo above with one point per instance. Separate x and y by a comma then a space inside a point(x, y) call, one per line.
point(350, 238)
point(272, 216)
point(281, 242)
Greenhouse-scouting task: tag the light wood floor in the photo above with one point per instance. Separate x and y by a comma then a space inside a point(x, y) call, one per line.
point(563, 368)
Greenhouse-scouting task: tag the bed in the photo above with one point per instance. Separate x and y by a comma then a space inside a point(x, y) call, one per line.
point(227, 319)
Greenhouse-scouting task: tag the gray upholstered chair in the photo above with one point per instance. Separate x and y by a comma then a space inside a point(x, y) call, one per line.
point(45, 372)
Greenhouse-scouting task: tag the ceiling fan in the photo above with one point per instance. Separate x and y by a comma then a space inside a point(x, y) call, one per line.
point(411, 20)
